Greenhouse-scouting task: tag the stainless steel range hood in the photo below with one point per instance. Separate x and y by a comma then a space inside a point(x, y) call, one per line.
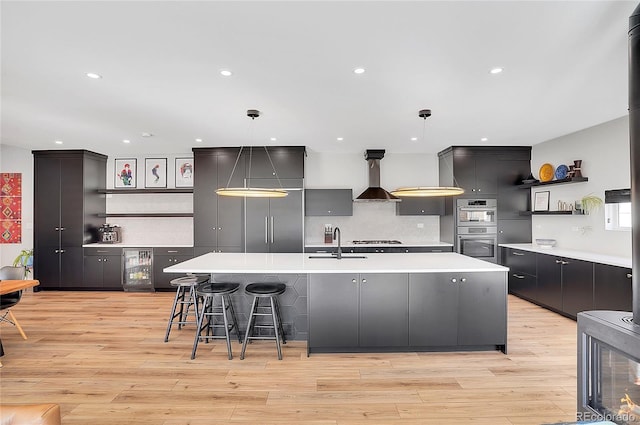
point(374, 193)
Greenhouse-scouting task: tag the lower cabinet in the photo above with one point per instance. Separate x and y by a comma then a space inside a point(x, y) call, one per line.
point(422, 311)
point(612, 288)
point(103, 268)
point(522, 272)
point(165, 257)
point(457, 309)
point(549, 288)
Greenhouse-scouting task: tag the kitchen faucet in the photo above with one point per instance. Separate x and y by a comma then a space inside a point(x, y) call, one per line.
point(336, 231)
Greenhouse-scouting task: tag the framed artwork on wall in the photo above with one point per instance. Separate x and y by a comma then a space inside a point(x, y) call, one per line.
point(184, 172)
point(541, 201)
point(125, 170)
point(155, 172)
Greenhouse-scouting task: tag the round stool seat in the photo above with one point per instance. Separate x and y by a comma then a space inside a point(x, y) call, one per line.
point(217, 288)
point(265, 289)
point(189, 280)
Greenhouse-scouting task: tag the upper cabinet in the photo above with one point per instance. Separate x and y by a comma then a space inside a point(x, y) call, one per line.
point(328, 202)
point(284, 162)
point(420, 206)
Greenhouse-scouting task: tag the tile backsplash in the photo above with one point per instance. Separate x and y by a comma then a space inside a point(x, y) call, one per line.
point(376, 220)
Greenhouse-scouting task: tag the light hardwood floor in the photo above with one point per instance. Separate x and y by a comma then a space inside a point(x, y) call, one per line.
point(101, 356)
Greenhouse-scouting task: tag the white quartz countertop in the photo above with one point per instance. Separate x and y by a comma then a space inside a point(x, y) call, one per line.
point(216, 262)
point(126, 245)
point(350, 244)
point(576, 255)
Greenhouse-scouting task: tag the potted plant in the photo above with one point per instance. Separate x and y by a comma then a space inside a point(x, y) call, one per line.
point(24, 259)
point(590, 203)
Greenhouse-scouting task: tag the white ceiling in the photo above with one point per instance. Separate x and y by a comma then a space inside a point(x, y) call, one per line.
point(565, 69)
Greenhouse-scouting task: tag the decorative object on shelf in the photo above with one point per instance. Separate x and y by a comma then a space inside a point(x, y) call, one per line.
point(577, 168)
point(561, 172)
point(591, 203)
point(565, 206)
point(546, 243)
point(248, 191)
point(184, 172)
point(24, 259)
point(546, 172)
point(125, 170)
point(530, 179)
point(571, 172)
point(155, 172)
point(428, 191)
point(541, 201)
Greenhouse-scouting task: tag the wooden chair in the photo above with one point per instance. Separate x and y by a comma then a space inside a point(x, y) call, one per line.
point(11, 299)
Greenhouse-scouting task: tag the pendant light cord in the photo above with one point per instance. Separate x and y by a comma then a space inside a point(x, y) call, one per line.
point(233, 170)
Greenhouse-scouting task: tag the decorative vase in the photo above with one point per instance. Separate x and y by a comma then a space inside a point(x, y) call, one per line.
point(571, 171)
point(577, 170)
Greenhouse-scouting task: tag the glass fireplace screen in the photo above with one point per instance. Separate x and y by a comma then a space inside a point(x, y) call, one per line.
point(614, 384)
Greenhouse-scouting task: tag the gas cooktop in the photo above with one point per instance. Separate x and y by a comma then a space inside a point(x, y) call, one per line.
point(377, 242)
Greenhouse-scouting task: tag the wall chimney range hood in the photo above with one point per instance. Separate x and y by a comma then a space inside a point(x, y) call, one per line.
point(374, 193)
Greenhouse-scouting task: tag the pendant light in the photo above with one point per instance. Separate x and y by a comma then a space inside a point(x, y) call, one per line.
point(248, 191)
point(428, 191)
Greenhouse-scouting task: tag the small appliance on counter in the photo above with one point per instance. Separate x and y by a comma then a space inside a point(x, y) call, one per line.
point(328, 233)
point(109, 233)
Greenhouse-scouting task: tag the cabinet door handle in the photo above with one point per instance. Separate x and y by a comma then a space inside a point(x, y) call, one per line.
point(271, 229)
point(57, 251)
point(406, 250)
point(61, 229)
point(463, 280)
point(105, 259)
point(62, 251)
point(172, 251)
point(101, 251)
point(517, 276)
point(517, 253)
point(565, 263)
point(266, 229)
point(454, 280)
point(99, 260)
point(57, 229)
point(629, 275)
point(558, 261)
point(353, 281)
point(364, 280)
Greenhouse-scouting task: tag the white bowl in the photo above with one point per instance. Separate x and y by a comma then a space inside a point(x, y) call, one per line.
point(546, 243)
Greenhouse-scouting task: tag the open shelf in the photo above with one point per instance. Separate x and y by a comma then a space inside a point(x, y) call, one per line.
point(142, 191)
point(551, 213)
point(561, 181)
point(146, 215)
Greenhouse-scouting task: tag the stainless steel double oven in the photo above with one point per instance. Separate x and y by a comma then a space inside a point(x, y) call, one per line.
point(476, 228)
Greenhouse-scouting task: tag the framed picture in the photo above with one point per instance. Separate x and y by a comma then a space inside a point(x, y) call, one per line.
point(125, 170)
point(184, 172)
point(541, 201)
point(155, 172)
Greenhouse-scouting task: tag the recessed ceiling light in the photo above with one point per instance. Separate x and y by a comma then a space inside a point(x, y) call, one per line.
point(413, 139)
point(496, 70)
point(58, 142)
point(358, 71)
point(147, 135)
point(94, 75)
point(199, 140)
point(340, 139)
point(484, 139)
point(273, 139)
point(226, 73)
point(126, 141)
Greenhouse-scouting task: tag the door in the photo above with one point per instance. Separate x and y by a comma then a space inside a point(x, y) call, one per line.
point(93, 268)
point(514, 231)
point(577, 286)
point(333, 310)
point(256, 227)
point(482, 308)
point(549, 274)
point(205, 182)
point(286, 223)
point(71, 203)
point(481, 247)
point(47, 206)
point(230, 171)
point(71, 261)
point(384, 310)
point(433, 310)
point(612, 290)
point(47, 267)
point(112, 271)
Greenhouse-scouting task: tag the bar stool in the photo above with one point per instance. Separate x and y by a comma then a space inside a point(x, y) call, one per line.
point(260, 291)
point(208, 292)
point(185, 298)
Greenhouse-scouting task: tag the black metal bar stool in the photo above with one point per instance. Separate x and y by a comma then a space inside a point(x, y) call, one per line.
point(184, 299)
point(260, 291)
point(208, 292)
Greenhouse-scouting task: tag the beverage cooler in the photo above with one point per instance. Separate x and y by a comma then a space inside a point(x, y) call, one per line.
point(137, 273)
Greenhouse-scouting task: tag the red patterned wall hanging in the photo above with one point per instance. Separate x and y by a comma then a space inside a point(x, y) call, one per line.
point(10, 207)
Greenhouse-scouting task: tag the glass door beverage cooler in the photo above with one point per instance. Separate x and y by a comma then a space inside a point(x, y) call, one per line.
point(137, 270)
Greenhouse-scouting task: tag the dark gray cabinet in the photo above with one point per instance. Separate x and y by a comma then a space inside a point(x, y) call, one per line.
point(285, 161)
point(458, 309)
point(217, 220)
point(328, 202)
point(522, 272)
point(514, 231)
point(420, 206)
point(66, 213)
point(475, 173)
point(612, 288)
point(274, 224)
point(549, 273)
point(103, 268)
point(165, 257)
point(350, 311)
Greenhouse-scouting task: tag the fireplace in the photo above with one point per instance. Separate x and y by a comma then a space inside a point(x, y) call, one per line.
point(608, 367)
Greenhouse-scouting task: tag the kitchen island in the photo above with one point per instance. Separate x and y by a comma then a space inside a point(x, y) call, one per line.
point(375, 302)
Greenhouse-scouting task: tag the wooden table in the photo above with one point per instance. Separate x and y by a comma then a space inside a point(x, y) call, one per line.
point(7, 286)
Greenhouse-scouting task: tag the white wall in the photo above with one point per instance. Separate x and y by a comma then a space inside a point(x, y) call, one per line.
point(604, 151)
point(17, 160)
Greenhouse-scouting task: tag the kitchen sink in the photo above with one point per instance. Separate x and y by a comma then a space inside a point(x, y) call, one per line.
point(334, 257)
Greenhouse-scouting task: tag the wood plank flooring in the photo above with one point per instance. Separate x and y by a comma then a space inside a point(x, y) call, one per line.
point(101, 356)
